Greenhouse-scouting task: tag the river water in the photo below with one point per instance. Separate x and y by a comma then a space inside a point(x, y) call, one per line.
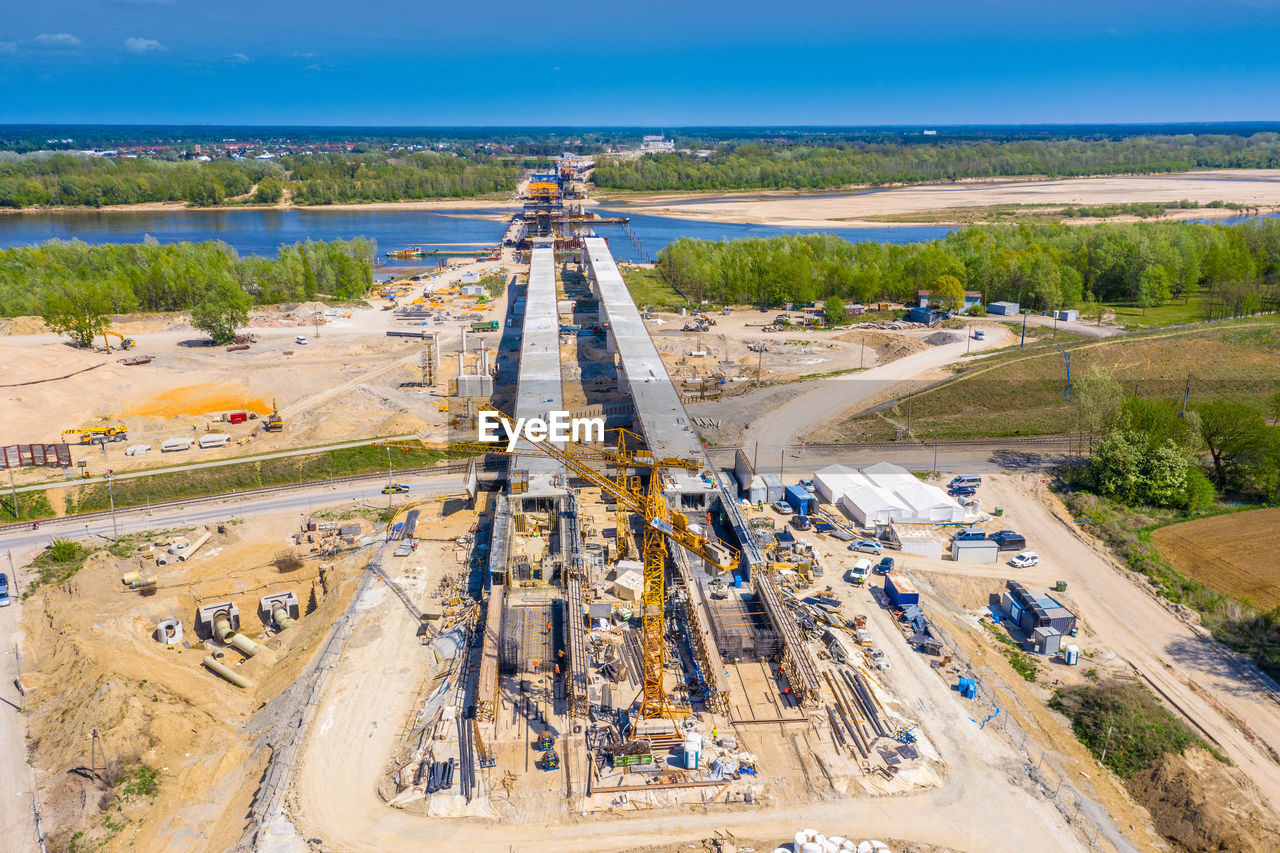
point(260, 232)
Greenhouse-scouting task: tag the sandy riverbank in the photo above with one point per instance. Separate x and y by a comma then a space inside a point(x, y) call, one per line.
point(941, 203)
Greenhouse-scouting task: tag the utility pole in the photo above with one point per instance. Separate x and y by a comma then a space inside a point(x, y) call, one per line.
point(115, 528)
point(908, 415)
point(1024, 330)
point(389, 476)
point(13, 573)
point(13, 493)
point(862, 350)
point(935, 452)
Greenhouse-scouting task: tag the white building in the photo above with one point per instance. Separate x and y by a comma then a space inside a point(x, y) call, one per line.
point(885, 492)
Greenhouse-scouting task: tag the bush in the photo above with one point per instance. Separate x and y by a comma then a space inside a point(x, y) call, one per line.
point(1122, 724)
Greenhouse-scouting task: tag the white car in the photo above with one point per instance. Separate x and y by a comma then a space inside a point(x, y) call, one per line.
point(301, 340)
point(781, 507)
point(1025, 560)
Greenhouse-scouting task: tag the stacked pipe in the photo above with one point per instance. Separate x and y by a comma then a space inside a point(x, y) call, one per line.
point(863, 695)
point(193, 547)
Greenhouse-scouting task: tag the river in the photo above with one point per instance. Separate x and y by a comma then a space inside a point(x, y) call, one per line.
point(261, 232)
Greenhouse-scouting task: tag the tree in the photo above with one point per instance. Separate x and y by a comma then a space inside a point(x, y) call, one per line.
point(835, 311)
point(1234, 434)
point(1133, 469)
point(947, 294)
point(269, 191)
point(1096, 399)
point(1153, 287)
point(222, 310)
point(79, 311)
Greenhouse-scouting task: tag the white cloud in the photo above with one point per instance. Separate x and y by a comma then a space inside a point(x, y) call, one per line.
point(304, 55)
point(59, 41)
point(8, 47)
point(312, 67)
point(141, 45)
point(143, 2)
point(237, 59)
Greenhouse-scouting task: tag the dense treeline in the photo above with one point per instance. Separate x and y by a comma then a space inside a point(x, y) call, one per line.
point(751, 166)
point(334, 178)
point(177, 277)
point(71, 180)
point(1037, 266)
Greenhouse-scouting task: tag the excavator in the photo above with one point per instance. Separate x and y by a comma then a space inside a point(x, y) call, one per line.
point(125, 343)
point(274, 423)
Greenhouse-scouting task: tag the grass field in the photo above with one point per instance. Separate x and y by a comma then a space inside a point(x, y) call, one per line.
point(1018, 393)
point(1171, 314)
point(649, 288)
point(1236, 554)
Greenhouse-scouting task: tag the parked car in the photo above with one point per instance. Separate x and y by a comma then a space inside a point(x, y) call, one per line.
point(965, 480)
point(858, 574)
point(1008, 540)
point(5, 600)
point(782, 508)
point(968, 534)
point(801, 522)
point(394, 489)
point(1025, 559)
point(300, 340)
point(979, 335)
point(884, 566)
point(866, 546)
point(962, 491)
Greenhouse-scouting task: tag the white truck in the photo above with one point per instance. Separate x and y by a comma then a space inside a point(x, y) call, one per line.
point(858, 574)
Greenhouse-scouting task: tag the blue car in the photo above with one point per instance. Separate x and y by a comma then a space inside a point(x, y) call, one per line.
point(5, 600)
point(962, 491)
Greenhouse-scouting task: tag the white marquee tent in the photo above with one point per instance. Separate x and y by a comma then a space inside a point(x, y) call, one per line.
point(885, 492)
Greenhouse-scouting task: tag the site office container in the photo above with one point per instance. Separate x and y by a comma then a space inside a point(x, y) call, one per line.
point(799, 499)
point(900, 590)
point(238, 417)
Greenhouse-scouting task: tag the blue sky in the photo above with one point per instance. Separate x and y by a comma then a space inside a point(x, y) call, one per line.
point(694, 62)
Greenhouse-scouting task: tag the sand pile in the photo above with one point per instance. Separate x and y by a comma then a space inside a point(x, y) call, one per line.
point(307, 309)
point(192, 400)
point(22, 326)
point(401, 423)
point(938, 339)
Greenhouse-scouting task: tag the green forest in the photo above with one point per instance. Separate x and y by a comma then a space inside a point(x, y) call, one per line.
point(73, 181)
point(807, 167)
point(177, 277)
point(1235, 267)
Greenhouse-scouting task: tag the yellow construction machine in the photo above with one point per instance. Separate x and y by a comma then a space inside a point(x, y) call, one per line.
point(660, 524)
point(274, 423)
point(92, 435)
point(125, 343)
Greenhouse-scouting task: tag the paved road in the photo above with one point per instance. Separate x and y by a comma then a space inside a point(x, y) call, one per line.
point(234, 460)
point(988, 459)
point(303, 501)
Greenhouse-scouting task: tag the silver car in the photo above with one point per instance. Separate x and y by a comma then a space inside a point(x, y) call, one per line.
point(866, 546)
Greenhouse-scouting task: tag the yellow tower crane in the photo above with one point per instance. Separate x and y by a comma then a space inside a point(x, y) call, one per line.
point(660, 524)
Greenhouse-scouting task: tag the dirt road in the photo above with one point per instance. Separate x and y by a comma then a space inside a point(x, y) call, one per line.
point(1205, 681)
point(828, 400)
point(17, 823)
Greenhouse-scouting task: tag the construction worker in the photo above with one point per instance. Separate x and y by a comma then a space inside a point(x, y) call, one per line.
point(715, 733)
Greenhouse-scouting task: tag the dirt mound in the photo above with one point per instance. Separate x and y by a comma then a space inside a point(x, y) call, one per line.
point(401, 423)
point(1200, 805)
point(22, 326)
point(306, 309)
point(200, 400)
point(938, 339)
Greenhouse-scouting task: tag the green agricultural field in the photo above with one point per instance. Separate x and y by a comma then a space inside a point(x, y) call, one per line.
point(1021, 393)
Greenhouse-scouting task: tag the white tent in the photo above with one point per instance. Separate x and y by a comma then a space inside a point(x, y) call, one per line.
point(885, 492)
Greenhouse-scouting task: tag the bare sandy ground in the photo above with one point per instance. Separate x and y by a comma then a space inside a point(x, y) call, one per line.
point(1252, 187)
